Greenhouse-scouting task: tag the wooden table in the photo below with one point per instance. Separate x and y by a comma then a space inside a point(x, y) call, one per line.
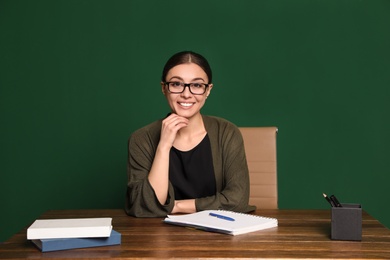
point(300, 234)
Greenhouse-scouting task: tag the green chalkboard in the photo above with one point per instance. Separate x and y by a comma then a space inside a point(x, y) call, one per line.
point(77, 77)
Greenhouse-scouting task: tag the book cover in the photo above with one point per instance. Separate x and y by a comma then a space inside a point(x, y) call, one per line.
point(70, 228)
point(48, 245)
point(222, 221)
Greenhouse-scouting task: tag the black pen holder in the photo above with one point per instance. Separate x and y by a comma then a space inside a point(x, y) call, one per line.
point(347, 222)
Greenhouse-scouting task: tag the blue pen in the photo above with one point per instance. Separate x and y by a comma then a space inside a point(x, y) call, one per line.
point(221, 216)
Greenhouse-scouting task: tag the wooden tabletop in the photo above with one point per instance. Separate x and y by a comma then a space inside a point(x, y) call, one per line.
point(300, 234)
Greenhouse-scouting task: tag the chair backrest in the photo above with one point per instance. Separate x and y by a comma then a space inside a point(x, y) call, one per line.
point(260, 150)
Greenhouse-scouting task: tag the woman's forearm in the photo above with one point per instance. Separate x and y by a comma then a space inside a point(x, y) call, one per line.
point(159, 174)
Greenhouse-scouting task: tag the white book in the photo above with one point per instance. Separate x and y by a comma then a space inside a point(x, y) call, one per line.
point(70, 228)
point(222, 221)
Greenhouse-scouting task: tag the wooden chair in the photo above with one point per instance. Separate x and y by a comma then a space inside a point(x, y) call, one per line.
point(260, 150)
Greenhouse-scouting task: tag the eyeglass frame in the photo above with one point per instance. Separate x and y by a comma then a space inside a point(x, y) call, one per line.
point(186, 85)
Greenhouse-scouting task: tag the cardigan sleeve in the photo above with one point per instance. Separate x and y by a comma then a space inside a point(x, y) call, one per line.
point(231, 170)
point(141, 200)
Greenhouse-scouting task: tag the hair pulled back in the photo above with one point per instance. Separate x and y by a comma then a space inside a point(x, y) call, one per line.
point(187, 57)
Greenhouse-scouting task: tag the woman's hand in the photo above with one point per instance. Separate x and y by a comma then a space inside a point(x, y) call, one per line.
point(184, 206)
point(170, 126)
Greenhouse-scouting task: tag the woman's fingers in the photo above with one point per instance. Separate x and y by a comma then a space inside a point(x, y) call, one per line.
point(170, 126)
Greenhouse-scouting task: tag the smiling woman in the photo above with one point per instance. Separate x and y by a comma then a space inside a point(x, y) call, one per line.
point(186, 162)
point(186, 102)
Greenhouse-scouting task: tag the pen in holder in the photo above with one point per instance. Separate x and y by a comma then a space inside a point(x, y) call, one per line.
point(346, 222)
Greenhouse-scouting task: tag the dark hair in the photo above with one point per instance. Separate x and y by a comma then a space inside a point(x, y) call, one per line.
point(187, 57)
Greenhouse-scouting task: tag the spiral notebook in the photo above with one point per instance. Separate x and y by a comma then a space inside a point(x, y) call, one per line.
point(222, 221)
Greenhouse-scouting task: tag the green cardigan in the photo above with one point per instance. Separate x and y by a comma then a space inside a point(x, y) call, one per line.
point(230, 168)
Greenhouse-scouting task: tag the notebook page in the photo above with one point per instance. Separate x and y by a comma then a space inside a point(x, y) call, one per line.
point(243, 223)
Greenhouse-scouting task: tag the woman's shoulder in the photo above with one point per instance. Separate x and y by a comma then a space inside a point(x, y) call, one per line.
point(221, 128)
point(222, 131)
point(150, 130)
point(214, 121)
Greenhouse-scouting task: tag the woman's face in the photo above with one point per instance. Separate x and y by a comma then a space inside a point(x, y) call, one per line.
point(186, 104)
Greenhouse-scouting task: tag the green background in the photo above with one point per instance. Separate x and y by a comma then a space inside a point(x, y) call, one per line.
point(77, 77)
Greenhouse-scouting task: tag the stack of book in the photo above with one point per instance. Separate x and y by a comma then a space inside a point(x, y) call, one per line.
point(62, 234)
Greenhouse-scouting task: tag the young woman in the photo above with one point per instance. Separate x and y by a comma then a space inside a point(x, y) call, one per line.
point(186, 162)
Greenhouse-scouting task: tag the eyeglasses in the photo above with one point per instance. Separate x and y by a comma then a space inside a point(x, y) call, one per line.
point(177, 87)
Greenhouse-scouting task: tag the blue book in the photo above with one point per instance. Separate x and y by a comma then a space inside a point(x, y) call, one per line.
point(55, 244)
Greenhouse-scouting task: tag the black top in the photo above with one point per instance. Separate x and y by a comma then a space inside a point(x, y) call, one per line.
point(191, 172)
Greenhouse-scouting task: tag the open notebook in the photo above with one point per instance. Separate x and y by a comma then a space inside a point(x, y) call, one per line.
point(222, 221)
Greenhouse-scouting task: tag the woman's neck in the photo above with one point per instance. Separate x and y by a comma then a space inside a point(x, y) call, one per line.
point(195, 125)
